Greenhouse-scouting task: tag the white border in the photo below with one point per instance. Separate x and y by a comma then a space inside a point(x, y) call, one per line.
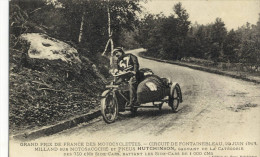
point(4, 9)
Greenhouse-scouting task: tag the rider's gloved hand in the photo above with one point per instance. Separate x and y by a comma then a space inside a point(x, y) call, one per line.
point(113, 71)
point(133, 72)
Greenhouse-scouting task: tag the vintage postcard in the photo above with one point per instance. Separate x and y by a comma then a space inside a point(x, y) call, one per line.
point(134, 78)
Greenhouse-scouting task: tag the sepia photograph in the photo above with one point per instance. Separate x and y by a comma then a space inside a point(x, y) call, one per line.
point(120, 78)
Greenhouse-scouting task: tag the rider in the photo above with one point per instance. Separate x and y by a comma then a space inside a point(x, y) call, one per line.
point(128, 63)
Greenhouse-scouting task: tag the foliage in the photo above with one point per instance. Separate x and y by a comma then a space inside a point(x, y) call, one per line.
point(174, 37)
point(43, 92)
point(249, 47)
point(95, 34)
point(28, 5)
point(165, 36)
point(128, 39)
point(231, 47)
point(63, 19)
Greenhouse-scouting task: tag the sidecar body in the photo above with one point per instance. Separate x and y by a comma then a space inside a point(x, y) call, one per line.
point(151, 89)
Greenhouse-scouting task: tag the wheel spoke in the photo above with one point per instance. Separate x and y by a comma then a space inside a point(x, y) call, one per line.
point(109, 108)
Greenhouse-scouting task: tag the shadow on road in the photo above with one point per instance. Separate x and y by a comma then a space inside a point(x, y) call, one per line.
point(153, 113)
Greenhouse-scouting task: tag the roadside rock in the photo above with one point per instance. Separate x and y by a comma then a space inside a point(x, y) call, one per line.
point(44, 47)
point(43, 53)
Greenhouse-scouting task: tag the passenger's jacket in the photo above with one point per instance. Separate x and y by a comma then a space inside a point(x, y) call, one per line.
point(128, 62)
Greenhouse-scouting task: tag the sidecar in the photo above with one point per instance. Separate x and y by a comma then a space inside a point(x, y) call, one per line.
point(152, 90)
point(158, 91)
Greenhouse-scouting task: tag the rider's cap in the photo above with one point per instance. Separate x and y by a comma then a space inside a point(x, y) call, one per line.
point(118, 49)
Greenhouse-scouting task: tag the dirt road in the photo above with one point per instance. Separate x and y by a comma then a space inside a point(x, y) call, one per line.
point(214, 108)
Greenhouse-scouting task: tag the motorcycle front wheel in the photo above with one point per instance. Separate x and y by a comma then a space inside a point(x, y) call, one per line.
point(109, 108)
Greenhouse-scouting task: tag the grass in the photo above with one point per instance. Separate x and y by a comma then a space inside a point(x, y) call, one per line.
point(44, 92)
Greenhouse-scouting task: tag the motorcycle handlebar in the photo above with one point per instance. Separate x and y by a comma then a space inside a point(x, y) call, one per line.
point(121, 74)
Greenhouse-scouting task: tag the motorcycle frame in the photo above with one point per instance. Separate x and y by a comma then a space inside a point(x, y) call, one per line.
point(122, 107)
point(115, 89)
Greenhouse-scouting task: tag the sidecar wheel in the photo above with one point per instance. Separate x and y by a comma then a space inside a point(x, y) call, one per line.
point(175, 97)
point(109, 108)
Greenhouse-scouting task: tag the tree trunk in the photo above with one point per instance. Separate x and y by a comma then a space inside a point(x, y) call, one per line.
point(81, 27)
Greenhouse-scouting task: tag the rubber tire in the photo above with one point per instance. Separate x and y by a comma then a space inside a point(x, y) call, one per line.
point(173, 102)
point(104, 103)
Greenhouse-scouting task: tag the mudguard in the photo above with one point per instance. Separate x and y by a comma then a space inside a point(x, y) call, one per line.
point(119, 100)
point(104, 94)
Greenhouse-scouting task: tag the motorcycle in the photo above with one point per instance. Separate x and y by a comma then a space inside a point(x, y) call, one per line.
point(151, 89)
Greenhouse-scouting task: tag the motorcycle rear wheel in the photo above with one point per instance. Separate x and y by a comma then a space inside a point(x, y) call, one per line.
point(109, 108)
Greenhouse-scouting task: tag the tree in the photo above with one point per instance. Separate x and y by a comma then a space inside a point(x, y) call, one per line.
point(166, 37)
point(21, 12)
point(194, 42)
point(149, 33)
point(218, 35)
point(249, 49)
point(170, 38)
point(29, 6)
point(182, 29)
point(231, 46)
point(88, 22)
point(182, 19)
